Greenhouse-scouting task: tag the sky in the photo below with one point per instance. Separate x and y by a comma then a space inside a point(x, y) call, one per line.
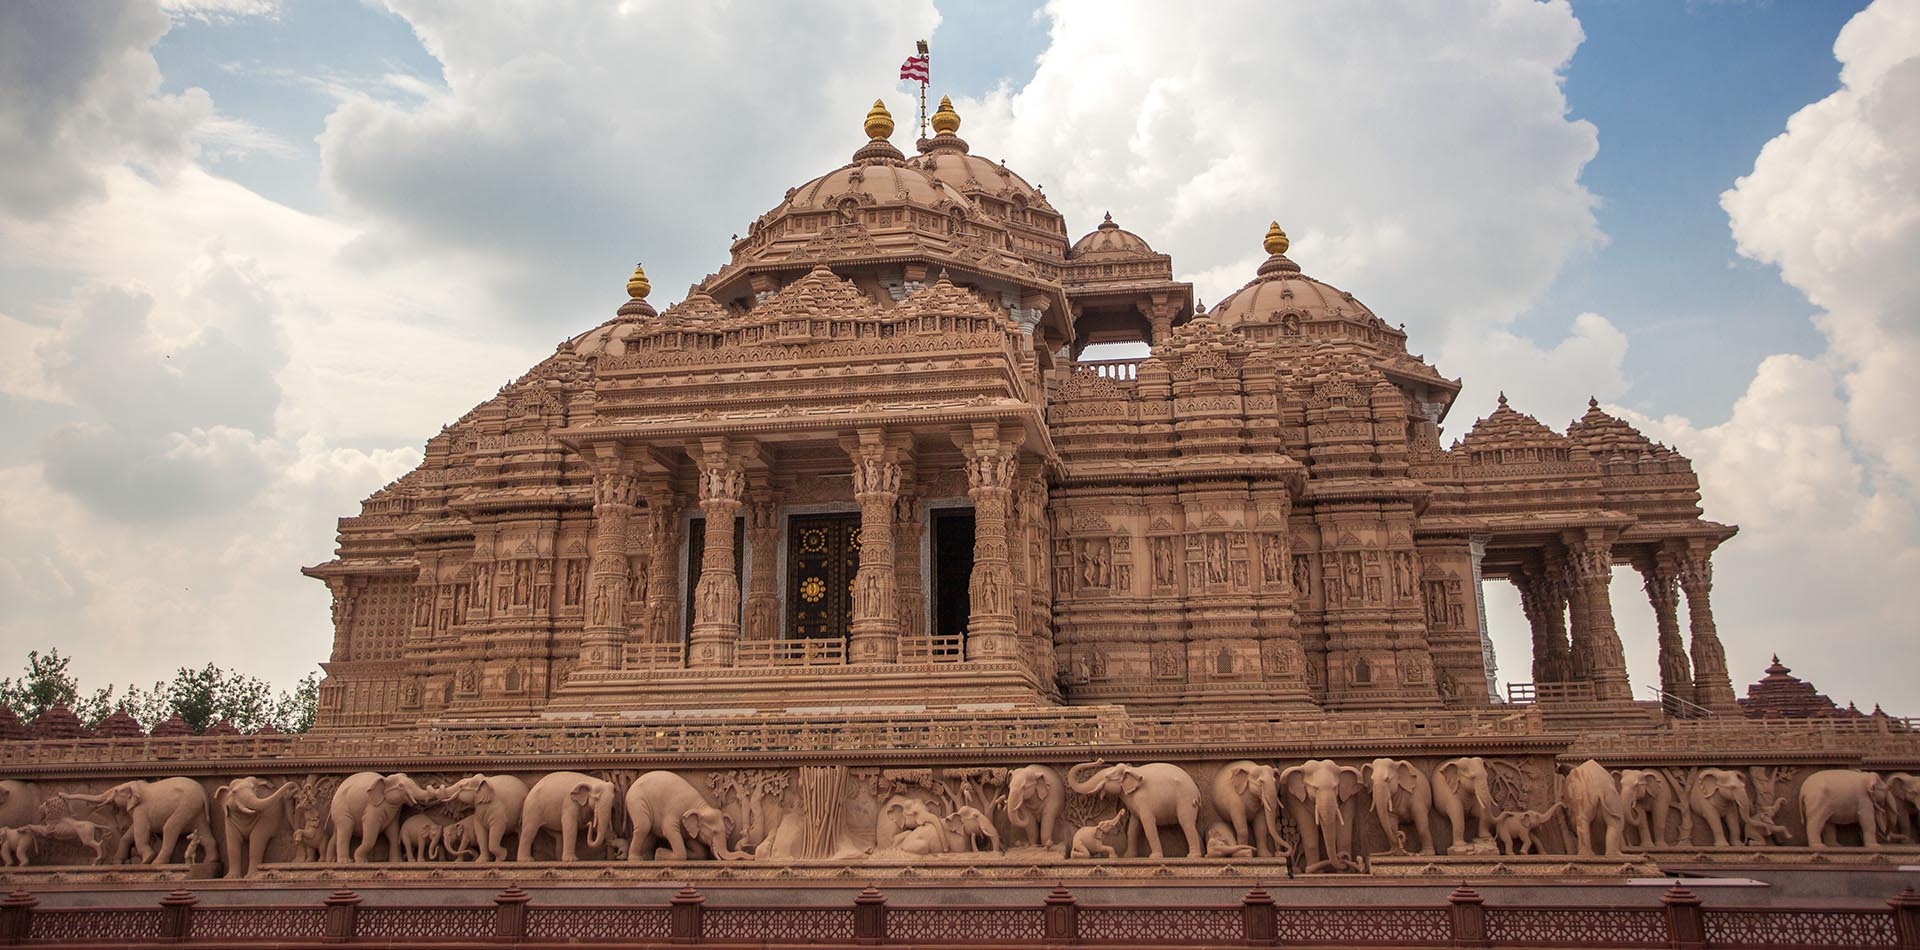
point(254, 252)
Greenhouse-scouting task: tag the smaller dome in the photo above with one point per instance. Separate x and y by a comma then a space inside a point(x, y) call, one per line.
point(1109, 240)
point(1279, 289)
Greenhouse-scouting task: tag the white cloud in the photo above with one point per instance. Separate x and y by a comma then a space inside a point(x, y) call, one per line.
point(220, 11)
point(1819, 462)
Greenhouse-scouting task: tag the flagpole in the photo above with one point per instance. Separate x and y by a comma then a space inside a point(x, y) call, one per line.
point(924, 54)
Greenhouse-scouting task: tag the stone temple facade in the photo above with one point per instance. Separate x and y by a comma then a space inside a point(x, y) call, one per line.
point(866, 451)
point(856, 565)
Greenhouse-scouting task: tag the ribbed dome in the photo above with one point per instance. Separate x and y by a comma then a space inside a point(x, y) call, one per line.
point(1109, 240)
point(882, 181)
point(1281, 289)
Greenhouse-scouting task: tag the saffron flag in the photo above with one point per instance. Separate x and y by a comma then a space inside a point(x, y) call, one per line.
point(915, 68)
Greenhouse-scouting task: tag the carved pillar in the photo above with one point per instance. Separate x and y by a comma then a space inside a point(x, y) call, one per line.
point(1712, 687)
point(763, 538)
point(615, 491)
point(1545, 604)
point(662, 624)
point(993, 463)
point(716, 602)
point(1661, 573)
point(1589, 567)
point(910, 598)
point(876, 487)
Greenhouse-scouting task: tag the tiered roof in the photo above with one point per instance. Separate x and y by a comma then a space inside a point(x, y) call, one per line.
point(1782, 696)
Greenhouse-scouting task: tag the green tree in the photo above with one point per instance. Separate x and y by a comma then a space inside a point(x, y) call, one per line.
point(44, 684)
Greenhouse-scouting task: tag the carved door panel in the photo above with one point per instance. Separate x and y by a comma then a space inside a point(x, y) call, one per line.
point(823, 554)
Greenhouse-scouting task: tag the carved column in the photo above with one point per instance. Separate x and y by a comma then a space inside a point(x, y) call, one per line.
point(993, 463)
point(1589, 566)
point(910, 598)
point(716, 601)
point(1712, 687)
point(662, 624)
point(1545, 604)
point(1661, 573)
point(763, 539)
point(876, 487)
point(615, 491)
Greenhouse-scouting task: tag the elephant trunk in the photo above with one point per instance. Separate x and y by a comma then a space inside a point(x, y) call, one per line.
point(1088, 786)
point(602, 821)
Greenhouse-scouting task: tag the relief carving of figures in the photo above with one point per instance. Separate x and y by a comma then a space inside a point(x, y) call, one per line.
point(1350, 571)
point(1414, 668)
point(1169, 661)
point(1273, 558)
point(1404, 582)
point(522, 582)
point(575, 579)
point(1216, 558)
point(1094, 564)
point(1302, 576)
point(1162, 562)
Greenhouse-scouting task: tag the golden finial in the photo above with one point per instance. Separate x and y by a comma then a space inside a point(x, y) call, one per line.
point(879, 121)
point(638, 286)
point(1276, 242)
point(946, 121)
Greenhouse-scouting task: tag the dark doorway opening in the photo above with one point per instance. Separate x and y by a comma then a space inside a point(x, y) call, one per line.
point(952, 567)
point(823, 555)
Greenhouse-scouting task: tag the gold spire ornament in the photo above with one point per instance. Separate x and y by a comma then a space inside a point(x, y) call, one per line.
point(638, 286)
point(879, 121)
point(1276, 242)
point(946, 121)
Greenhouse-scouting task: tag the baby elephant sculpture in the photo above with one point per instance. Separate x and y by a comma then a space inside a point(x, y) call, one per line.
point(1158, 793)
point(1832, 797)
point(1091, 840)
point(969, 824)
point(1515, 829)
point(920, 830)
point(664, 804)
point(420, 838)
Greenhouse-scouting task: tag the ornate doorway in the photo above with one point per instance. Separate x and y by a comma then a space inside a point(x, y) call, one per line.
point(823, 554)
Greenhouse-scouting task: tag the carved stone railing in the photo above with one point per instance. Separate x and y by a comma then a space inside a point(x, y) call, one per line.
point(1118, 370)
point(933, 649)
point(654, 656)
point(813, 651)
point(1016, 732)
point(1867, 736)
point(514, 916)
point(1519, 693)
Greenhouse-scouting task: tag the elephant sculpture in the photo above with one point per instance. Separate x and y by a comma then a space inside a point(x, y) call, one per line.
point(370, 804)
point(1590, 795)
point(1091, 840)
point(461, 840)
point(1903, 795)
point(19, 804)
point(1402, 794)
point(16, 844)
point(1719, 798)
point(920, 831)
point(1515, 829)
point(969, 824)
point(420, 838)
point(252, 816)
point(1035, 795)
point(176, 807)
point(665, 805)
point(496, 802)
point(1155, 794)
point(1647, 798)
point(1461, 792)
point(557, 803)
point(1246, 795)
point(1321, 793)
point(1832, 797)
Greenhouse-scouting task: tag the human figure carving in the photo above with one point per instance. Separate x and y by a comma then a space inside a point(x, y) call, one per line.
point(1221, 844)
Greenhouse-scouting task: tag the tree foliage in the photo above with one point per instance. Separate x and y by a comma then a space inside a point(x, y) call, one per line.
point(200, 697)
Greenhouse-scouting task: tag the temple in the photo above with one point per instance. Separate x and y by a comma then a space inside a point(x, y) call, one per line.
point(869, 450)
